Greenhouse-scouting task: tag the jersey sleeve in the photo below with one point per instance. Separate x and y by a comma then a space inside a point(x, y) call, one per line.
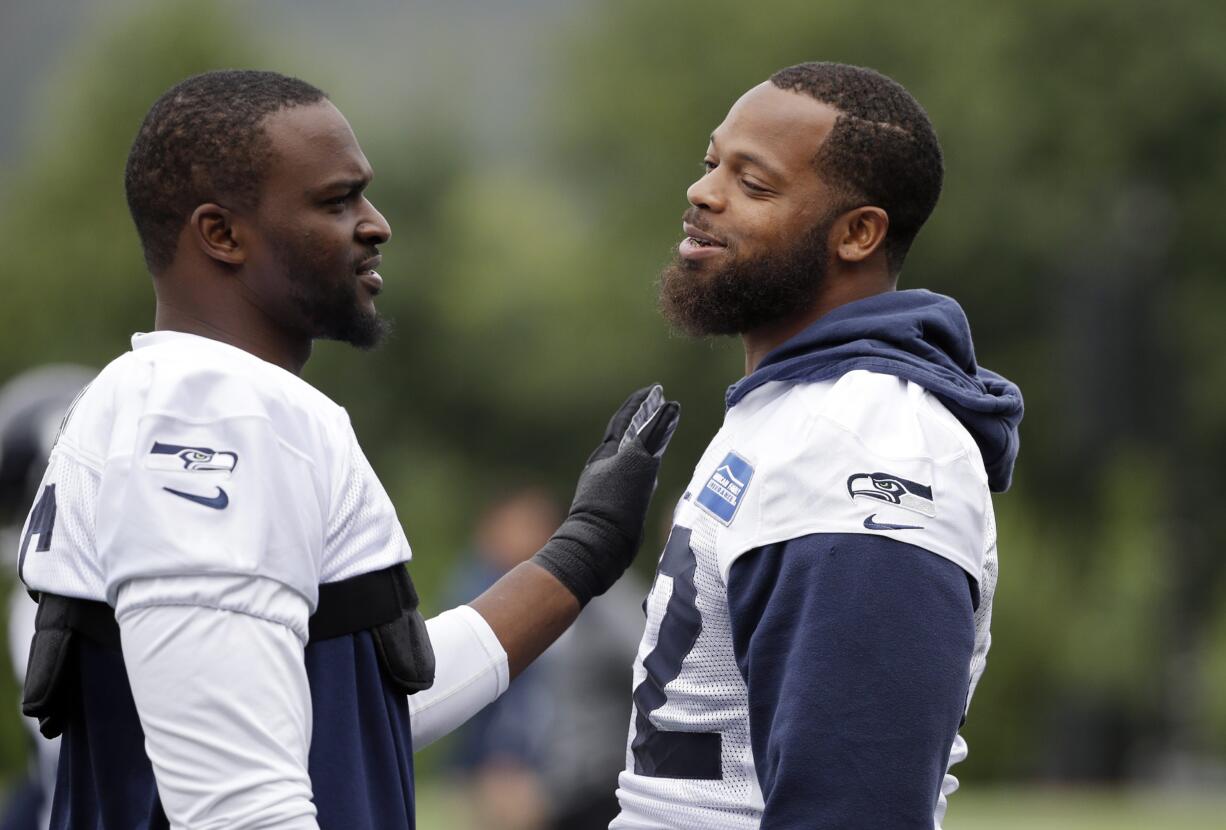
point(205, 477)
point(364, 533)
point(854, 649)
point(881, 457)
point(223, 699)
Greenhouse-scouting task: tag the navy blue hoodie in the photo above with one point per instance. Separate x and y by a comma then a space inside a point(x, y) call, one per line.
point(856, 648)
point(919, 336)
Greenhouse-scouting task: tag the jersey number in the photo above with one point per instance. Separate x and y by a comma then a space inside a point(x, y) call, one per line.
point(42, 522)
point(658, 753)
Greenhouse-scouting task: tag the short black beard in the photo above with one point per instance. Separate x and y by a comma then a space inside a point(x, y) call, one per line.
point(337, 316)
point(744, 295)
point(330, 306)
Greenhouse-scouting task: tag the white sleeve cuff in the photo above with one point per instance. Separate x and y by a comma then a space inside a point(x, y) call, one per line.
point(470, 672)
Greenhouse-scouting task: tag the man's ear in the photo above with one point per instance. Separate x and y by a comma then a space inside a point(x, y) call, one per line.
point(859, 233)
point(212, 228)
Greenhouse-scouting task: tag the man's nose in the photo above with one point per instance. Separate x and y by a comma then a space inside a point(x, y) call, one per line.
point(374, 228)
point(705, 193)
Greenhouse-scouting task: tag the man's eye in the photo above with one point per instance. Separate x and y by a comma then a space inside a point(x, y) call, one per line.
point(343, 199)
point(708, 165)
point(751, 186)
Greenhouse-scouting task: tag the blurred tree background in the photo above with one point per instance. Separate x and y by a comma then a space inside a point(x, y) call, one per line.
point(533, 204)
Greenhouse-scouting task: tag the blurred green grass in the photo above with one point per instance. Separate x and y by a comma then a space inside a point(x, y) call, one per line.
point(440, 807)
point(1075, 809)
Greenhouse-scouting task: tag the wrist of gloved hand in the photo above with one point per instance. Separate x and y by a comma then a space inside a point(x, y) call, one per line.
point(604, 528)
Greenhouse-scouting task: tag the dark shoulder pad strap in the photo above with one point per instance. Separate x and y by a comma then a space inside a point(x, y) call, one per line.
point(385, 603)
point(358, 603)
point(56, 625)
point(43, 693)
point(405, 651)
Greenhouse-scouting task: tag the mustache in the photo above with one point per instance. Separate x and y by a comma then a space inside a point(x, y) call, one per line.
point(697, 218)
point(369, 254)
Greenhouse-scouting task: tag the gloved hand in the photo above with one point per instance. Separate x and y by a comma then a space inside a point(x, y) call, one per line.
point(604, 528)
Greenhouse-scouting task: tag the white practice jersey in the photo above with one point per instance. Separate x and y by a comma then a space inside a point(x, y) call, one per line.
point(865, 453)
point(189, 457)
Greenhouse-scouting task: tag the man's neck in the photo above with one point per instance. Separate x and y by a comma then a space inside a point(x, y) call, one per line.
point(256, 340)
point(834, 293)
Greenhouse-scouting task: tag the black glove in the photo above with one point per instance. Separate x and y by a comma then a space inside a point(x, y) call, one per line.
point(604, 528)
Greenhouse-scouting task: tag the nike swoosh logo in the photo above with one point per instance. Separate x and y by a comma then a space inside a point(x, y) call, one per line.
point(217, 502)
point(871, 525)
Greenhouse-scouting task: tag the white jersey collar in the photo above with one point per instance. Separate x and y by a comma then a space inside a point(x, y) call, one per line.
point(145, 340)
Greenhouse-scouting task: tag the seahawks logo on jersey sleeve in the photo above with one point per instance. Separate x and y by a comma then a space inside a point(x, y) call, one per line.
point(892, 489)
point(190, 459)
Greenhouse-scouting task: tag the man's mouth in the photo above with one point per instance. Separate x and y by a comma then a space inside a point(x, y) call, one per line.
point(698, 244)
point(367, 274)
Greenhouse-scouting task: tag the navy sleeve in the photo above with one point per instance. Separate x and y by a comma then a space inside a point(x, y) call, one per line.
point(856, 651)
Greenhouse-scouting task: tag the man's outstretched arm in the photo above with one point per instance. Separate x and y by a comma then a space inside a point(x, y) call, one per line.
point(532, 605)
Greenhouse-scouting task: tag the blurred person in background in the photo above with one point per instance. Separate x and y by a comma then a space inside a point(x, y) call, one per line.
point(821, 610)
point(500, 752)
point(227, 634)
point(32, 407)
point(589, 670)
point(542, 755)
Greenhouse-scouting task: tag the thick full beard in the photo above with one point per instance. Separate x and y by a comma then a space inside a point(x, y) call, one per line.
point(743, 294)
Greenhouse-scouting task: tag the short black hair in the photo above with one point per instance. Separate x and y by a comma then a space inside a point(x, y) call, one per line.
point(882, 150)
point(203, 141)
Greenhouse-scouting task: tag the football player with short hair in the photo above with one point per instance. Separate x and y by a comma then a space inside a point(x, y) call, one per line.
point(820, 613)
point(226, 631)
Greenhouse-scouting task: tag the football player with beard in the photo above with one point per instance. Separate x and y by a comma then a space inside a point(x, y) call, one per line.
point(820, 613)
point(227, 634)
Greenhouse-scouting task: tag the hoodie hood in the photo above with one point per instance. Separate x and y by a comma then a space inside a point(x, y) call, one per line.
point(918, 336)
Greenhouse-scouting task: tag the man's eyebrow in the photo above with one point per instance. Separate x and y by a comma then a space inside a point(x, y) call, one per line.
point(750, 158)
point(347, 185)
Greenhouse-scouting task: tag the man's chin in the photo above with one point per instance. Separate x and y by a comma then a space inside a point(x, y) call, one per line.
point(365, 331)
point(372, 334)
point(724, 296)
point(685, 300)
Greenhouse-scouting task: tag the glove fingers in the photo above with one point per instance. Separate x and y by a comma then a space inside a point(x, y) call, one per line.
point(643, 415)
point(621, 419)
point(656, 435)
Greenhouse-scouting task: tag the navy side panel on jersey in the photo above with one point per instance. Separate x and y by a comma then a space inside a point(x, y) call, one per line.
point(361, 760)
point(104, 781)
point(856, 651)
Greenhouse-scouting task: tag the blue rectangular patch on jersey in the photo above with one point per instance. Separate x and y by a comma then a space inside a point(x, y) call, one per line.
point(724, 490)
